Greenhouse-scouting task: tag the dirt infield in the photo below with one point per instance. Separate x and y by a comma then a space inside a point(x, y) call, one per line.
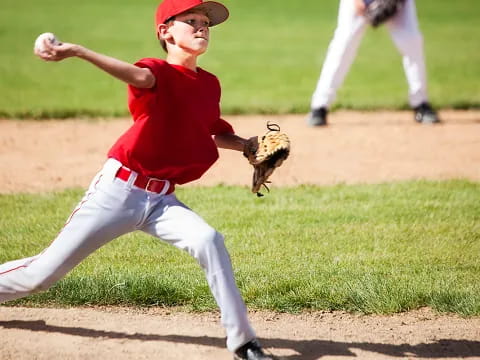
point(369, 147)
point(366, 147)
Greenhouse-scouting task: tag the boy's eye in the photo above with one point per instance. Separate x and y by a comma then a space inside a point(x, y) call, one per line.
point(194, 22)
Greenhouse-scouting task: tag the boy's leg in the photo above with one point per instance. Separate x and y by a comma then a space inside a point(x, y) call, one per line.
point(340, 54)
point(102, 215)
point(176, 224)
point(408, 39)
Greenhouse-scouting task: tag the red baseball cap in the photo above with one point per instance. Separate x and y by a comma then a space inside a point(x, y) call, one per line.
point(216, 12)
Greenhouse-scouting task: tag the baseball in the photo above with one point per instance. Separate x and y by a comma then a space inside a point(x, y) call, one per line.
point(40, 42)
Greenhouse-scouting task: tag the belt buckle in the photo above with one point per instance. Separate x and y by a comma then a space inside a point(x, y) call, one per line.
point(151, 180)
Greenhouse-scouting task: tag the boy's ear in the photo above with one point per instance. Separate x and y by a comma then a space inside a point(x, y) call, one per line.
point(163, 33)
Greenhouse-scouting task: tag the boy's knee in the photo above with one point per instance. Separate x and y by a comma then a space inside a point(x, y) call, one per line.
point(37, 279)
point(39, 283)
point(23, 286)
point(208, 245)
point(208, 239)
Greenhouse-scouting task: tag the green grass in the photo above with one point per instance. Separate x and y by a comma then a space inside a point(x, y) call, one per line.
point(268, 57)
point(361, 248)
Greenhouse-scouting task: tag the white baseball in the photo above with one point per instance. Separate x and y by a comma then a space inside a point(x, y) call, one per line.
point(40, 42)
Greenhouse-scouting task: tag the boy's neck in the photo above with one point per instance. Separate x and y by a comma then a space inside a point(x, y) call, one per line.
point(188, 61)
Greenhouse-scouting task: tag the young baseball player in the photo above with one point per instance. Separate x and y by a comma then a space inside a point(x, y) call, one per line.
point(173, 140)
point(341, 52)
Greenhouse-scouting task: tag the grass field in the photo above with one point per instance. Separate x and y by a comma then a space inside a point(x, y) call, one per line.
point(268, 57)
point(368, 248)
point(361, 248)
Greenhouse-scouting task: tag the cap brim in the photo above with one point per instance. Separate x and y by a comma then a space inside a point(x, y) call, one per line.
point(216, 12)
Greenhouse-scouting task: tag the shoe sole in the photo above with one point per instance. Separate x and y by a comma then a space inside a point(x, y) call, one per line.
point(316, 122)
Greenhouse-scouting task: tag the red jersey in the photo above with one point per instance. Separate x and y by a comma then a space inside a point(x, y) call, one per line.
point(171, 137)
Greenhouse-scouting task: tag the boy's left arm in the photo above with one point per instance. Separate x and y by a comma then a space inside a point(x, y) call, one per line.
point(230, 141)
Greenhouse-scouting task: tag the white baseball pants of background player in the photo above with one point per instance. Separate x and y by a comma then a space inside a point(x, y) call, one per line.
point(112, 207)
point(405, 32)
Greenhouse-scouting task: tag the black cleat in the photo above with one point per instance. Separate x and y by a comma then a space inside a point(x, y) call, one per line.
point(251, 351)
point(424, 114)
point(317, 117)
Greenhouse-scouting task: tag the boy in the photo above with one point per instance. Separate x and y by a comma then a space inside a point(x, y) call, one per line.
point(173, 140)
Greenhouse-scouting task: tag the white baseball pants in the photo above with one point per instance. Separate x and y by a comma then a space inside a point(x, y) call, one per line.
point(112, 207)
point(342, 50)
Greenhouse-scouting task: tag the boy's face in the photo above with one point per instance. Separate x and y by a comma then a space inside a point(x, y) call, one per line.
point(190, 32)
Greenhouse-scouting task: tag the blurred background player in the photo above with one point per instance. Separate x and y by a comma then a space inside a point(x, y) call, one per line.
point(351, 25)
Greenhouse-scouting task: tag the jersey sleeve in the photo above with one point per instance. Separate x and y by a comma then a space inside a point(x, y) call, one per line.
point(155, 67)
point(222, 127)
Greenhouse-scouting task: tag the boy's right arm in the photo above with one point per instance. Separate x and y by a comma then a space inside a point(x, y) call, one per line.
point(131, 74)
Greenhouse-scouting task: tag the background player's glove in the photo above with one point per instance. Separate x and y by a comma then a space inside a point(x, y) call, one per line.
point(379, 11)
point(266, 153)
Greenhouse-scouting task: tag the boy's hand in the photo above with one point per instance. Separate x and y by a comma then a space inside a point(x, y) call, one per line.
point(50, 49)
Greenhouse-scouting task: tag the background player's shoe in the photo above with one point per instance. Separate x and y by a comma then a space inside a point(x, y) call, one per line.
point(425, 114)
point(251, 351)
point(317, 117)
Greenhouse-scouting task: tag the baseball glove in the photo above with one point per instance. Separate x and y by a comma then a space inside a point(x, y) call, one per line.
point(265, 154)
point(379, 11)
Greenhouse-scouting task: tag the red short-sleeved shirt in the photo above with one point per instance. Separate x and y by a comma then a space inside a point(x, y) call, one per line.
point(171, 137)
